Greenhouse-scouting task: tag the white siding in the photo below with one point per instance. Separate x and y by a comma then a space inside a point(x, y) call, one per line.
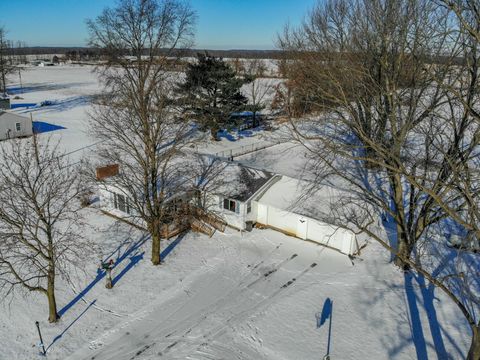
point(283, 220)
point(8, 128)
point(236, 219)
point(307, 228)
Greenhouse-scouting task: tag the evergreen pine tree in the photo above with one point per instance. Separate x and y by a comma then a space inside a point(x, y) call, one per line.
point(211, 92)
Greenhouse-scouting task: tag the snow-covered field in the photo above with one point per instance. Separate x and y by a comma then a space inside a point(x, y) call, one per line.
point(233, 296)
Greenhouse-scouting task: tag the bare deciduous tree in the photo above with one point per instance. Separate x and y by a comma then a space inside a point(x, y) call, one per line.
point(6, 65)
point(136, 119)
point(39, 219)
point(259, 91)
point(368, 66)
point(396, 83)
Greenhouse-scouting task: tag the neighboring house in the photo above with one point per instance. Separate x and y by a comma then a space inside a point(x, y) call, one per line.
point(42, 63)
point(14, 126)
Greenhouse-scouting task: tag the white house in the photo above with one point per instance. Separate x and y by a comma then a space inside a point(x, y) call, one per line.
point(116, 200)
point(243, 196)
point(13, 125)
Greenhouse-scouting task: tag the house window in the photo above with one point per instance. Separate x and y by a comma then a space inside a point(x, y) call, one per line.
point(230, 205)
point(249, 207)
point(120, 202)
point(18, 126)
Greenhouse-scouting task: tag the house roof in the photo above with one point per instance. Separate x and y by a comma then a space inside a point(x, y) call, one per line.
point(290, 194)
point(11, 117)
point(241, 182)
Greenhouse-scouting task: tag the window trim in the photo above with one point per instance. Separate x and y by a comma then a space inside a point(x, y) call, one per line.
point(121, 203)
point(230, 205)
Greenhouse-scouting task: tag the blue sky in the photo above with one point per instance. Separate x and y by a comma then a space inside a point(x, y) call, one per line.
point(222, 24)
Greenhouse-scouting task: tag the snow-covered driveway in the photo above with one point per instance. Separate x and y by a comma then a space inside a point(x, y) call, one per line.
point(197, 318)
point(256, 297)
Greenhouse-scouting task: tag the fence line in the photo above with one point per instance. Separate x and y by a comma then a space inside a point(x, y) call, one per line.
point(243, 150)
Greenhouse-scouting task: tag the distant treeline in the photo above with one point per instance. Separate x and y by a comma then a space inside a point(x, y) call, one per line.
point(91, 52)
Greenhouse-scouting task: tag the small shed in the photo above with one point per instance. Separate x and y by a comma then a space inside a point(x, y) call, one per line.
point(14, 125)
point(4, 102)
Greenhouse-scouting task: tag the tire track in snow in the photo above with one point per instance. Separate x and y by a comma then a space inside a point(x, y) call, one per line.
point(236, 318)
point(235, 292)
point(196, 318)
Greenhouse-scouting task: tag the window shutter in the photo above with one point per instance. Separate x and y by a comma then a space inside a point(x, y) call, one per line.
point(237, 207)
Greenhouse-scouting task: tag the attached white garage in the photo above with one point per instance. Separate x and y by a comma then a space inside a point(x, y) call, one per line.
point(278, 208)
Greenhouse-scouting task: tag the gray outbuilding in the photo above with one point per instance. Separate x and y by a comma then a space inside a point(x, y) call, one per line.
point(14, 126)
point(4, 102)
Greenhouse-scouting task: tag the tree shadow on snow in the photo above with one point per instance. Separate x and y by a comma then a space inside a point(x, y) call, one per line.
point(58, 337)
point(134, 255)
point(17, 90)
point(172, 246)
point(68, 103)
point(226, 135)
point(420, 296)
point(137, 257)
point(102, 273)
point(422, 311)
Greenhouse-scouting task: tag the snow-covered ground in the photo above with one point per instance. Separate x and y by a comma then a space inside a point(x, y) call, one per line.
point(233, 296)
point(228, 297)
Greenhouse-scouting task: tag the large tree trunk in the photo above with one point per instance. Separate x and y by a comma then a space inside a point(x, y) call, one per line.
point(214, 132)
point(4, 87)
point(404, 249)
point(155, 233)
point(404, 245)
point(4, 82)
point(474, 352)
point(52, 303)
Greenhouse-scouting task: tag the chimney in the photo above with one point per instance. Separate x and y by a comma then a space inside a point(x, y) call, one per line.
point(107, 171)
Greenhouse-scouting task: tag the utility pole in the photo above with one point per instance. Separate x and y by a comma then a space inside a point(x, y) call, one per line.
point(41, 340)
point(20, 76)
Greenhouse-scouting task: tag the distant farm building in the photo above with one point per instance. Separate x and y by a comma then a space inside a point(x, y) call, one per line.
point(14, 126)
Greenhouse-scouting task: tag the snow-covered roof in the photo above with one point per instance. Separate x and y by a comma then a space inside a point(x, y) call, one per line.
point(290, 194)
point(11, 117)
point(241, 182)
